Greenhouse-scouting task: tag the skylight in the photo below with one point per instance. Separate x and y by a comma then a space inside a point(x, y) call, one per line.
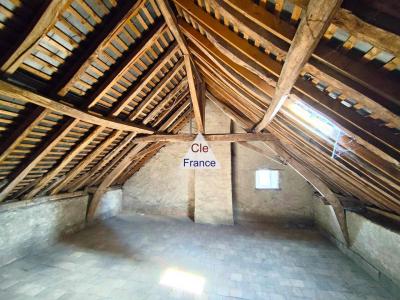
point(314, 121)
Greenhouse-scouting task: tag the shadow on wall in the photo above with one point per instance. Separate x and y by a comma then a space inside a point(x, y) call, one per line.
point(102, 236)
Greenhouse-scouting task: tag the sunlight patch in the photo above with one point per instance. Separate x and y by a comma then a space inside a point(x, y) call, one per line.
point(184, 281)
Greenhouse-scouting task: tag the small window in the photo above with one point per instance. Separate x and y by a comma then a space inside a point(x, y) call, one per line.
point(267, 179)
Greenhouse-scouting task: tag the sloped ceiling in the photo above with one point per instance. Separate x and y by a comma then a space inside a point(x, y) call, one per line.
point(82, 79)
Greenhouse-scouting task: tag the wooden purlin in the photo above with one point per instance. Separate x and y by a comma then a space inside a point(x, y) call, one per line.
point(353, 78)
point(255, 61)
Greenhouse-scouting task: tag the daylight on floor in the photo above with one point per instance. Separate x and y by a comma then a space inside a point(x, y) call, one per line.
point(199, 149)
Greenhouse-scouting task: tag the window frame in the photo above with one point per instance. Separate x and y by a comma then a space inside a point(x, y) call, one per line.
point(268, 188)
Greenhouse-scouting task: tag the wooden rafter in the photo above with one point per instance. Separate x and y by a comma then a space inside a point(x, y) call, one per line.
point(242, 56)
point(103, 162)
point(192, 75)
point(353, 78)
point(85, 162)
point(23, 170)
point(21, 131)
point(13, 91)
point(47, 19)
point(101, 39)
point(140, 84)
point(70, 156)
point(156, 90)
point(312, 26)
point(146, 40)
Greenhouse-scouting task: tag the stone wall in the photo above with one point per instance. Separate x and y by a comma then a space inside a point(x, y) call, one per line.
point(161, 187)
point(292, 202)
point(374, 247)
point(110, 204)
point(213, 187)
point(32, 225)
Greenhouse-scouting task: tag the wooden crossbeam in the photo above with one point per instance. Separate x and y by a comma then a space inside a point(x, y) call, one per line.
point(111, 26)
point(13, 91)
point(197, 102)
point(312, 26)
point(138, 86)
point(23, 170)
point(48, 18)
point(229, 137)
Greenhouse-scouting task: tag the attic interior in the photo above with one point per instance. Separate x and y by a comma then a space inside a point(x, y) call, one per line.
point(207, 149)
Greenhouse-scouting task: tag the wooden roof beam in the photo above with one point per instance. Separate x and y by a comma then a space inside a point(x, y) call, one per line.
point(28, 164)
point(113, 24)
point(64, 162)
point(21, 131)
point(48, 18)
point(312, 26)
point(13, 91)
point(103, 162)
point(123, 64)
point(351, 77)
point(138, 86)
point(191, 72)
point(230, 137)
point(156, 90)
point(161, 105)
point(86, 161)
point(240, 55)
